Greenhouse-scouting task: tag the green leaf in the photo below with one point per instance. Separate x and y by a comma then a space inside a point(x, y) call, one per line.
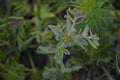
point(50, 73)
point(55, 31)
point(81, 44)
point(45, 50)
point(45, 12)
point(92, 44)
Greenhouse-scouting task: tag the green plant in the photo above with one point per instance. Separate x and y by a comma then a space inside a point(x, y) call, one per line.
point(67, 36)
point(67, 44)
point(19, 31)
point(97, 13)
point(13, 71)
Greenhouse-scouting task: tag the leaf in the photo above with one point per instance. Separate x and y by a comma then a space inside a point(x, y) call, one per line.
point(21, 37)
point(45, 12)
point(81, 44)
point(45, 50)
point(85, 31)
point(13, 71)
point(55, 31)
point(50, 73)
point(96, 42)
point(92, 44)
point(70, 69)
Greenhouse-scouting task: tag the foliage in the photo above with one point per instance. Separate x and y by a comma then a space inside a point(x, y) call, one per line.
point(67, 44)
point(67, 36)
point(12, 71)
point(97, 13)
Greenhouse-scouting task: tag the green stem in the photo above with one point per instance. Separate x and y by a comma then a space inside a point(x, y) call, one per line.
point(32, 63)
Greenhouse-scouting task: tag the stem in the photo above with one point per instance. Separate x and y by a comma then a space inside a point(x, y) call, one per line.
point(31, 62)
point(107, 73)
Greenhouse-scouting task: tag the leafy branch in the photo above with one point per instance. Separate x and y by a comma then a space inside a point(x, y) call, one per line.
point(67, 35)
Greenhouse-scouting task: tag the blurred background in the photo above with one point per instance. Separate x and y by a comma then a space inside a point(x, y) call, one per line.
point(24, 27)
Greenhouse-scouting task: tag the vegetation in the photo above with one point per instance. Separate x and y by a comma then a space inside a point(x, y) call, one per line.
point(59, 40)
